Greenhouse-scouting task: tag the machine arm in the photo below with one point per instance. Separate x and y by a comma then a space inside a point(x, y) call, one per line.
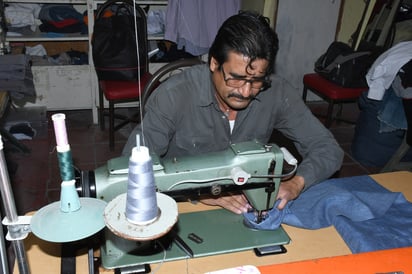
point(250, 167)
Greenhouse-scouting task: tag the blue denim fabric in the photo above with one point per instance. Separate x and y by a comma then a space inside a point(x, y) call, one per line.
point(367, 216)
point(357, 198)
point(391, 230)
point(391, 115)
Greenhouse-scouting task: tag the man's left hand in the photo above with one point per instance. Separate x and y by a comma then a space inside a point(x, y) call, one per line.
point(290, 190)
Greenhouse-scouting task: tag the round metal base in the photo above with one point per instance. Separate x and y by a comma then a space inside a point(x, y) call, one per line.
point(116, 221)
point(53, 225)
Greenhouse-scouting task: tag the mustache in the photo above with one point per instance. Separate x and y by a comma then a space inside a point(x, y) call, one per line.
point(238, 96)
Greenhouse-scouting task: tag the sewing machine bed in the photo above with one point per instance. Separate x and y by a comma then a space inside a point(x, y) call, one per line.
point(220, 230)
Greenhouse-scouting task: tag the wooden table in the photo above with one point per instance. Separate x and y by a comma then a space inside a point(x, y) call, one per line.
point(305, 244)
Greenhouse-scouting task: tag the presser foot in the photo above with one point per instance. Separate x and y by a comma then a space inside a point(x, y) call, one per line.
point(260, 216)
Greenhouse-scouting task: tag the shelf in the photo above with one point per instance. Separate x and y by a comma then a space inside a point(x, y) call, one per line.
point(52, 82)
point(38, 36)
point(155, 37)
point(46, 36)
point(153, 2)
point(149, 2)
point(82, 2)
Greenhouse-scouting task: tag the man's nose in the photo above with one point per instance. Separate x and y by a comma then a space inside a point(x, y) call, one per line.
point(246, 90)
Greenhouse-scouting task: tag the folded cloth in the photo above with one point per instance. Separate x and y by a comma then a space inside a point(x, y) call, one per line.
point(16, 76)
point(391, 230)
point(366, 215)
point(391, 115)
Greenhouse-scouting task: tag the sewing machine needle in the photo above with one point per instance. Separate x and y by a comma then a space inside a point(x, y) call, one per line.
point(259, 216)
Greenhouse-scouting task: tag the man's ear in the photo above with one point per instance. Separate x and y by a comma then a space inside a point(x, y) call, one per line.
point(213, 64)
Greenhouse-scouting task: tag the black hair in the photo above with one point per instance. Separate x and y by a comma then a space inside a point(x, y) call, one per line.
point(249, 34)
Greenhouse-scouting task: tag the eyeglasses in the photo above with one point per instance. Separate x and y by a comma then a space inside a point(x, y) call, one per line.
point(257, 84)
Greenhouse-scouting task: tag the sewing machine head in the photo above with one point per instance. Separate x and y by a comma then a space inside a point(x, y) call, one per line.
point(250, 167)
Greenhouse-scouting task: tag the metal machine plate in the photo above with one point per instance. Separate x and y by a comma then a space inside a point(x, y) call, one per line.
point(220, 230)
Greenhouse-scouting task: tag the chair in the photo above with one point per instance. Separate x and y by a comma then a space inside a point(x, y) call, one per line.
point(119, 92)
point(331, 93)
point(164, 73)
point(4, 106)
point(395, 162)
point(122, 91)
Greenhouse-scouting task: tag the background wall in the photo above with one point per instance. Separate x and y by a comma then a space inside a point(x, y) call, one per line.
point(265, 7)
point(351, 15)
point(305, 29)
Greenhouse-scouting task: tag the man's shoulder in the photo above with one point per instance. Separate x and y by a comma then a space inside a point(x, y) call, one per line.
point(190, 82)
point(279, 83)
point(278, 88)
point(188, 76)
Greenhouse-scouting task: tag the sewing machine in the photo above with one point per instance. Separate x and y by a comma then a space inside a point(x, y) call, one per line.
point(250, 167)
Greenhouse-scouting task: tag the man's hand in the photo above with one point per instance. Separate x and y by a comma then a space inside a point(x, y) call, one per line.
point(290, 190)
point(236, 203)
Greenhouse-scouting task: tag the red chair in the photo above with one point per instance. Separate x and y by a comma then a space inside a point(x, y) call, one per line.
point(122, 91)
point(118, 92)
point(331, 93)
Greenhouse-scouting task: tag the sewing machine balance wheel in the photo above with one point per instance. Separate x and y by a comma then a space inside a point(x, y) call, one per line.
point(116, 221)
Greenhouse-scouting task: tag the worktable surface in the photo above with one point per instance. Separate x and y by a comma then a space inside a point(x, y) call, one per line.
point(44, 257)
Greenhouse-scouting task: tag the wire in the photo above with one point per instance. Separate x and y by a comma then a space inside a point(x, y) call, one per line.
point(139, 88)
point(198, 181)
point(163, 260)
point(295, 167)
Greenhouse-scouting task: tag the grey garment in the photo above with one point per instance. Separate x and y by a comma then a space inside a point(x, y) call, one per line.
point(183, 118)
point(16, 76)
point(193, 25)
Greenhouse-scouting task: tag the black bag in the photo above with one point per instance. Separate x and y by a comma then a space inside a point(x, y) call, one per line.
point(344, 66)
point(114, 42)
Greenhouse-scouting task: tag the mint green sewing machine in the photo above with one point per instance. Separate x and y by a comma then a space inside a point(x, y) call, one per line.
point(251, 167)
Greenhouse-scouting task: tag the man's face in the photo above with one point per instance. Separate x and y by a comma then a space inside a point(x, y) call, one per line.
point(232, 91)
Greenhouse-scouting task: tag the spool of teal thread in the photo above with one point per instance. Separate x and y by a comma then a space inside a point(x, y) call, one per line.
point(66, 165)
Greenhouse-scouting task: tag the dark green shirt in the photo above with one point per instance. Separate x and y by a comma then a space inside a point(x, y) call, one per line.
point(183, 118)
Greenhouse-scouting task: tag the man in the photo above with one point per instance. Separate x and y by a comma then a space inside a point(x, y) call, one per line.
point(234, 98)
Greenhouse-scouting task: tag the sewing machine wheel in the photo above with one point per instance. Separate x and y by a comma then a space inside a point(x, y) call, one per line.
point(116, 221)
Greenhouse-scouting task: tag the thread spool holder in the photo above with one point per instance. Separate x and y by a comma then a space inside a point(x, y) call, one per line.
point(143, 228)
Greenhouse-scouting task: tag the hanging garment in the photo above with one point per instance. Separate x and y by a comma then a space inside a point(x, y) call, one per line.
point(193, 24)
point(386, 67)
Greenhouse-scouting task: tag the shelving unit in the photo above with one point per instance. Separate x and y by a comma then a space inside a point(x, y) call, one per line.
point(66, 86)
point(73, 86)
